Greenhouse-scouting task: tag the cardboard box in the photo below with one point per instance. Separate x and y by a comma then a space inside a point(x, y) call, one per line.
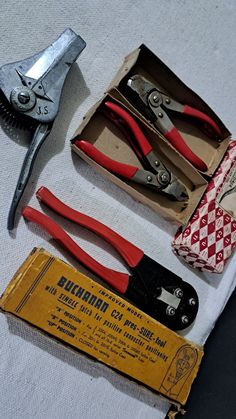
point(106, 137)
point(98, 130)
point(209, 238)
point(143, 61)
point(87, 317)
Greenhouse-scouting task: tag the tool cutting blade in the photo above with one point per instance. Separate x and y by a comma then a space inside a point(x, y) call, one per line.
point(177, 190)
point(141, 86)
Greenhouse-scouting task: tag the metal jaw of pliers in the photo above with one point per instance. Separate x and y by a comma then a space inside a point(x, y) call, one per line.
point(155, 175)
point(163, 180)
point(31, 91)
point(155, 106)
point(150, 286)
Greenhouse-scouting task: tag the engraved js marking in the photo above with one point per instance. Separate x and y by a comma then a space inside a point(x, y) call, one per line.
point(42, 110)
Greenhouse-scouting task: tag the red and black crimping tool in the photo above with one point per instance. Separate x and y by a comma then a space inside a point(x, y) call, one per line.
point(151, 287)
point(157, 176)
point(156, 105)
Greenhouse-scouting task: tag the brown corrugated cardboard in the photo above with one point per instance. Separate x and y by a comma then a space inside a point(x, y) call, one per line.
point(143, 61)
point(99, 131)
point(96, 129)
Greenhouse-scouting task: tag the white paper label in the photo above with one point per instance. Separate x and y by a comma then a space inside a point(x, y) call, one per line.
point(227, 196)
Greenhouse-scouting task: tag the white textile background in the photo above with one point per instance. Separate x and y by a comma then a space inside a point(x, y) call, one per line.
point(40, 378)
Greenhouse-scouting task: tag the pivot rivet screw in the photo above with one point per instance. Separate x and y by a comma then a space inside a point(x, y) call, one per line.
point(24, 97)
point(164, 178)
point(178, 293)
point(184, 319)
point(170, 311)
point(192, 302)
point(155, 98)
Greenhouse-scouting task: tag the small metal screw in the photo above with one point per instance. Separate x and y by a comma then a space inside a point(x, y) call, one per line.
point(170, 311)
point(164, 177)
point(24, 97)
point(160, 114)
point(155, 98)
point(192, 302)
point(149, 178)
point(156, 163)
point(184, 319)
point(178, 293)
point(167, 100)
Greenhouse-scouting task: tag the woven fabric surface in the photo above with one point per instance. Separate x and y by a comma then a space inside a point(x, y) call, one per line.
point(40, 378)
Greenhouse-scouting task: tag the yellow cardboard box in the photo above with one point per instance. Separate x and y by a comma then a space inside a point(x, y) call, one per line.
point(56, 298)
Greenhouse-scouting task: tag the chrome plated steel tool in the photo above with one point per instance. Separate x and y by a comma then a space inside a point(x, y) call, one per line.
point(30, 93)
point(158, 106)
point(154, 174)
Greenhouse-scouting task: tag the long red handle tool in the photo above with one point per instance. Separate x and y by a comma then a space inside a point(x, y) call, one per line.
point(154, 104)
point(122, 169)
point(177, 140)
point(139, 136)
point(154, 289)
point(174, 137)
point(195, 113)
point(130, 253)
point(118, 280)
point(144, 177)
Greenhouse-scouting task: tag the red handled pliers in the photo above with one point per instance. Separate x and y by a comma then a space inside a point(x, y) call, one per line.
point(151, 287)
point(155, 105)
point(157, 176)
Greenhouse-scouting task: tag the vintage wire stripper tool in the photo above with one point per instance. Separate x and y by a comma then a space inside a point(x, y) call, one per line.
point(154, 174)
point(150, 286)
point(156, 107)
point(30, 92)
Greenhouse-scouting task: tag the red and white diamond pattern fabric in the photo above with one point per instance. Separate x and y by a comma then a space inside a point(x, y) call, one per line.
point(210, 236)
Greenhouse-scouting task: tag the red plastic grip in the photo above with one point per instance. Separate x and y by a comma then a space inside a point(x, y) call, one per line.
point(188, 110)
point(142, 141)
point(118, 280)
point(130, 253)
point(125, 170)
point(174, 137)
